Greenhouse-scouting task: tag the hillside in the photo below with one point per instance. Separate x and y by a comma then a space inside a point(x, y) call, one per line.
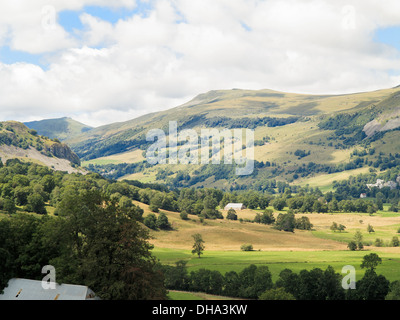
point(18, 141)
point(297, 137)
point(61, 129)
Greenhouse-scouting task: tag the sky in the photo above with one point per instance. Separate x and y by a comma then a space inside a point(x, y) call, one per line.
point(100, 61)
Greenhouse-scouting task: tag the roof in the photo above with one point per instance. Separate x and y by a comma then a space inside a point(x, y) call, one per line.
point(25, 289)
point(234, 205)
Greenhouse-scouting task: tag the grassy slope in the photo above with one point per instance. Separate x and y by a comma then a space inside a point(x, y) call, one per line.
point(285, 140)
point(279, 250)
point(62, 129)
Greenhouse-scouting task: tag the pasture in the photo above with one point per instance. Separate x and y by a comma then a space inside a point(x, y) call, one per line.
point(299, 250)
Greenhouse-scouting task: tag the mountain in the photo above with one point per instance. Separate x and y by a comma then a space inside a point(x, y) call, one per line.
point(297, 137)
point(61, 129)
point(18, 141)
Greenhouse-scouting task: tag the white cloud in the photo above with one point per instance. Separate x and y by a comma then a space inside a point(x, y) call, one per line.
point(181, 48)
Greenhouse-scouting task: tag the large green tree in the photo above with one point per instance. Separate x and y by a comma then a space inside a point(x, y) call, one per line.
point(198, 246)
point(106, 248)
point(371, 261)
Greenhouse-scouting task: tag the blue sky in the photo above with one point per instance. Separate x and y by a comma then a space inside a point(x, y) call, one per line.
point(389, 36)
point(9, 56)
point(177, 49)
point(70, 19)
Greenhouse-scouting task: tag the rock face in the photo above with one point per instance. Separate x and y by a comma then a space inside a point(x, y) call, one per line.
point(31, 154)
point(62, 151)
point(18, 141)
point(371, 128)
point(375, 126)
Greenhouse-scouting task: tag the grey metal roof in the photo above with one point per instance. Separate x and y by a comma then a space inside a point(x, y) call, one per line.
point(25, 289)
point(234, 205)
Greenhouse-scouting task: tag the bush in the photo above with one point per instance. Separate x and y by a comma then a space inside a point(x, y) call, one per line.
point(150, 221)
point(303, 223)
point(162, 222)
point(211, 214)
point(267, 217)
point(153, 208)
point(279, 204)
point(378, 242)
point(231, 214)
point(246, 247)
point(285, 222)
point(352, 246)
point(184, 215)
point(276, 294)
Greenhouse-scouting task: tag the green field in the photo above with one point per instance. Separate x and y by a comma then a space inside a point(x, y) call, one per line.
point(182, 295)
point(280, 260)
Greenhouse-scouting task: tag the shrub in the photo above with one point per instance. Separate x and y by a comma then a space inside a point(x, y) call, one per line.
point(231, 214)
point(378, 242)
point(303, 223)
point(162, 222)
point(150, 221)
point(352, 246)
point(285, 222)
point(246, 247)
point(276, 294)
point(153, 208)
point(184, 215)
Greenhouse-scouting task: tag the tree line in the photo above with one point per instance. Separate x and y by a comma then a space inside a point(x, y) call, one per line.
point(255, 282)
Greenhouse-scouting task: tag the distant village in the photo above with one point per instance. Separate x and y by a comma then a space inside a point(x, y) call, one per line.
point(382, 184)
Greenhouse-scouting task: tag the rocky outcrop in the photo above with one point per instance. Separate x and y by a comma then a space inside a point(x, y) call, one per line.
point(375, 126)
point(62, 151)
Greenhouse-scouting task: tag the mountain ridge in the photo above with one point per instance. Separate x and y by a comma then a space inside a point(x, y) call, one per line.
point(59, 128)
point(19, 141)
point(296, 135)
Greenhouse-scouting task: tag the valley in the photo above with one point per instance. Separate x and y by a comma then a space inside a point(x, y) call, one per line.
point(309, 136)
point(316, 158)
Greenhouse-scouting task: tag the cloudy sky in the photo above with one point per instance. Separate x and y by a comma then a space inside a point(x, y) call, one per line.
point(99, 62)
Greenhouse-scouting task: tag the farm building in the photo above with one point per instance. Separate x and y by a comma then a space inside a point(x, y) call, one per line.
point(25, 289)
point(235, 206)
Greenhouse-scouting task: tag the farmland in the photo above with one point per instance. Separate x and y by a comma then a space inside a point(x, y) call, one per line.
point(279, 250)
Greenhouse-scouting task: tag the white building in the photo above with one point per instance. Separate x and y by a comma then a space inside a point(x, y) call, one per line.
point(25, 289)
point(235, 206)
point(391, 184)
point(381, 184)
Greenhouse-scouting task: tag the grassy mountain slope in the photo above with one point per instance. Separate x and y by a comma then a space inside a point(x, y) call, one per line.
point(297, 136)
point(18, 141)
point(61, 129)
